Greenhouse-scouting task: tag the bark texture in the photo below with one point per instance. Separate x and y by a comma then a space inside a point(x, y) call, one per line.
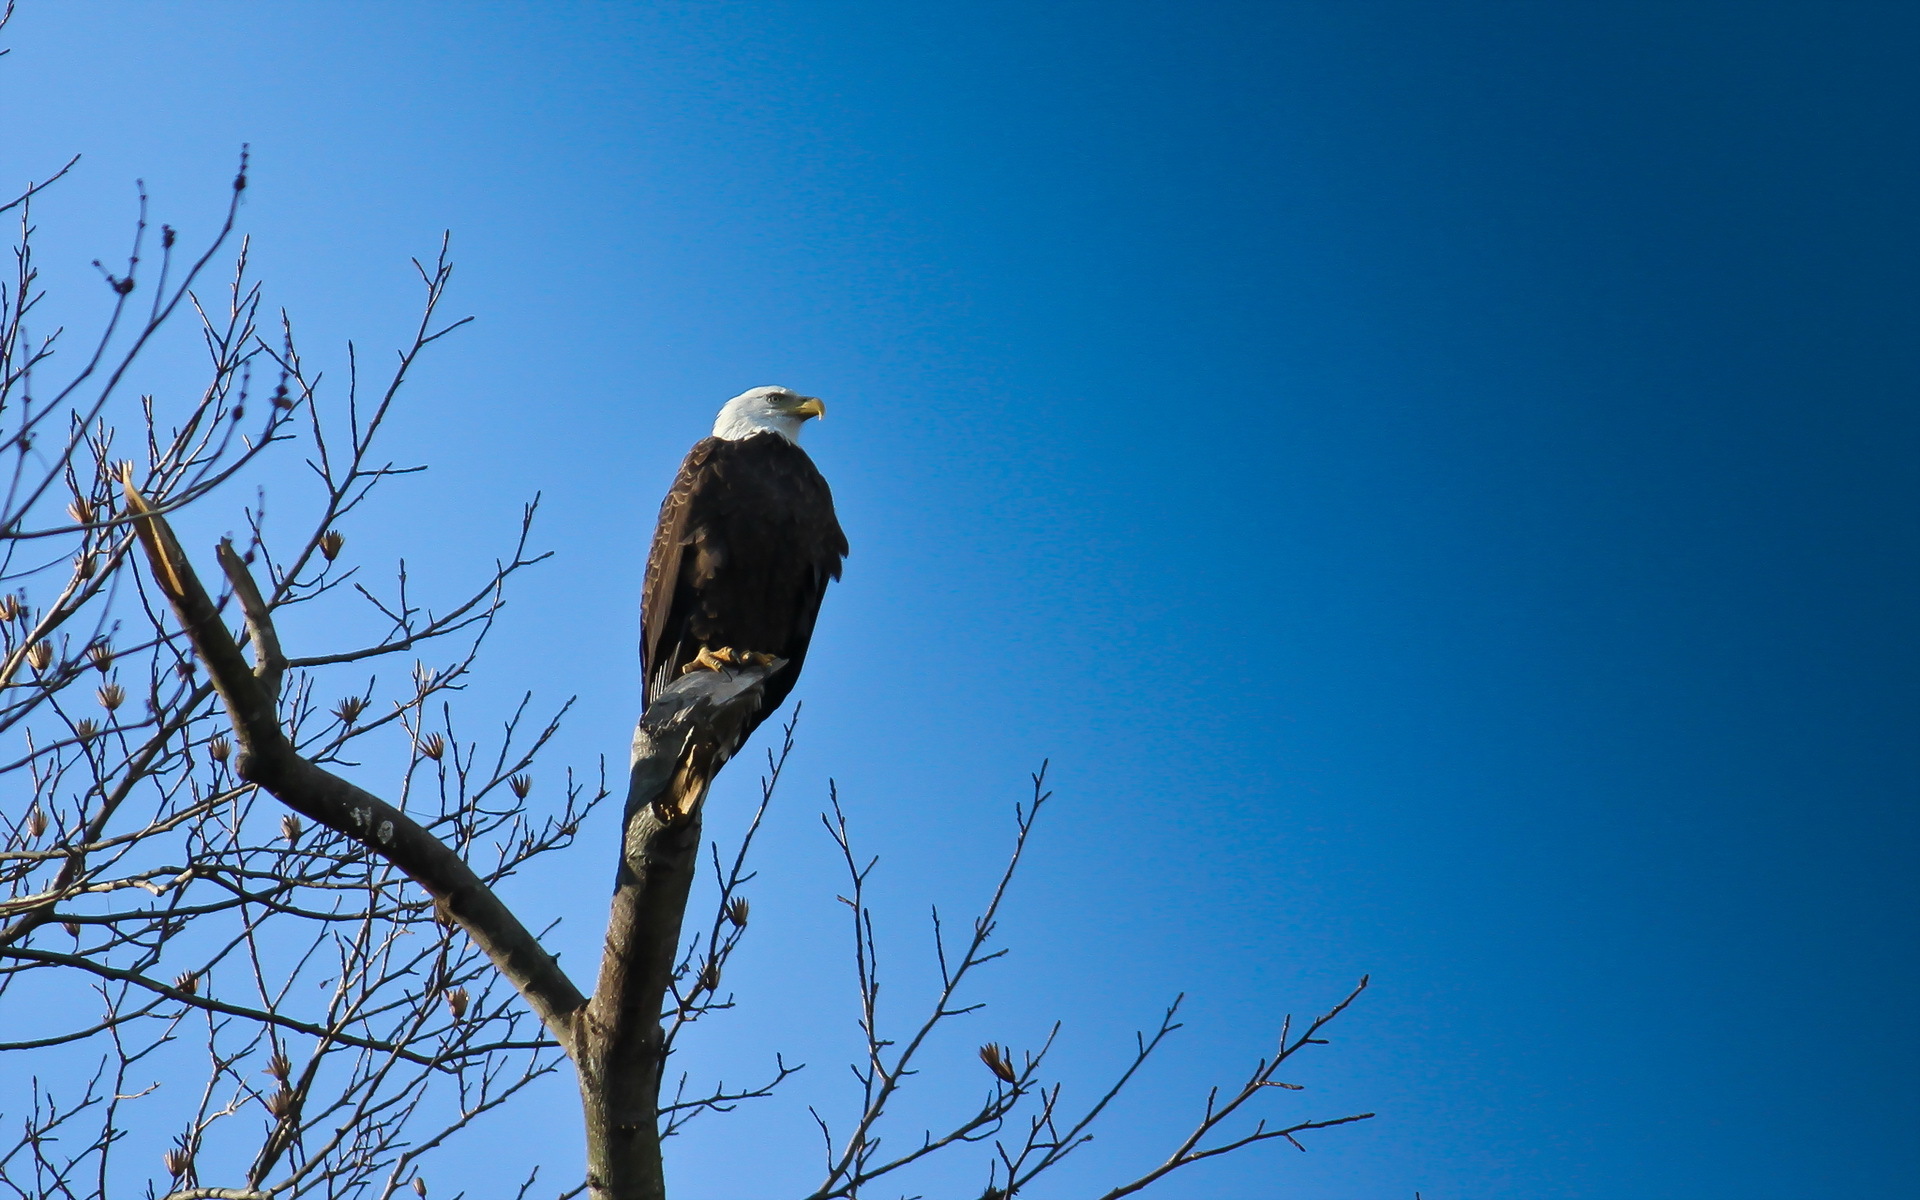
point(683, 739)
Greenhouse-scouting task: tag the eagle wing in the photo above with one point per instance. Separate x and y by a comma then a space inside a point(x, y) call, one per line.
point(671, 537)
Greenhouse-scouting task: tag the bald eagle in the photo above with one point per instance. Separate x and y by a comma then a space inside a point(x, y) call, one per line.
point(746, 543)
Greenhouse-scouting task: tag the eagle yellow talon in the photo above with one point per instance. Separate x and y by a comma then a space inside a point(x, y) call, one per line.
point(724, 658)
point(707, 660)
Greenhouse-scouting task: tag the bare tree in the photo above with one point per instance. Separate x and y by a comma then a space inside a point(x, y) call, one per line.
point(328, 979)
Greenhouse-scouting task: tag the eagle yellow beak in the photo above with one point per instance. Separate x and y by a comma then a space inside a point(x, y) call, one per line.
point(811, 407)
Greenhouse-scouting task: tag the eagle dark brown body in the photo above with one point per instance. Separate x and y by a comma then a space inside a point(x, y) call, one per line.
point(746, 545)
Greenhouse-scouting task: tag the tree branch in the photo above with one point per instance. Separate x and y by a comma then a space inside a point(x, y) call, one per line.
point(267, 758)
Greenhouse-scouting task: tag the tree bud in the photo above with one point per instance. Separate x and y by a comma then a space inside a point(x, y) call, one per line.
point(996, 1059)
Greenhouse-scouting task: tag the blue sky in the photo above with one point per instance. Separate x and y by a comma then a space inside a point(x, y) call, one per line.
point(1435, 478)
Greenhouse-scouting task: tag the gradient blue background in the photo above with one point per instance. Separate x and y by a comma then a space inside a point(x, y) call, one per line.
point(1436, 478)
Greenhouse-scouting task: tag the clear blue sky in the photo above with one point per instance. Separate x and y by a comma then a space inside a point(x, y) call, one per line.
point(1436, 478)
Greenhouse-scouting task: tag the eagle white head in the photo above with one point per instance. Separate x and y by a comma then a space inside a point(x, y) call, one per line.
point(766, 410)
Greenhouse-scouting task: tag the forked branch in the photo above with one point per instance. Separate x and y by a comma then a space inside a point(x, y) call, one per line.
point(1193, 1147)
point(266, 757)
point(1051, 1133)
